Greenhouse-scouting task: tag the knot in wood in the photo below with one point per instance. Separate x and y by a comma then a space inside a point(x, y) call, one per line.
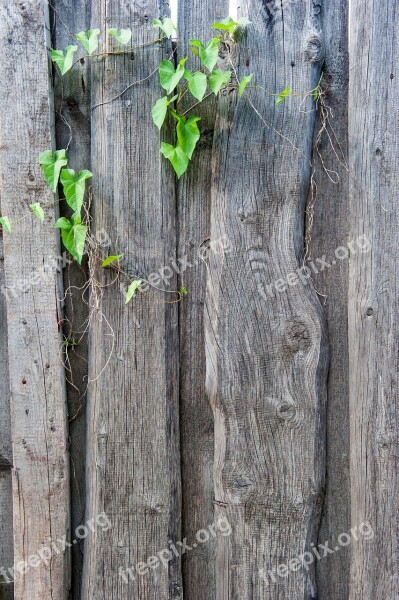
point(297, 336)
point(314, 48)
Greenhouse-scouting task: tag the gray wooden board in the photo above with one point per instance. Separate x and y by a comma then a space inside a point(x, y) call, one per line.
point(36, 373)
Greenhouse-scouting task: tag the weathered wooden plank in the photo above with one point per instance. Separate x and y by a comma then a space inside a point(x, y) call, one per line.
point(373, 295)
point(197, 431)
point(37, 384)
point(265, 347)
point(133, 461)
point(6, 532)
point(331, 231)
point(72, 113)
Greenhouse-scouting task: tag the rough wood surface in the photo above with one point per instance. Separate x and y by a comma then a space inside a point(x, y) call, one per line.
point(6, 533)
point(38, 415)
point(265, 353)
point(373, 295)
point(197, 431)
point(133, 457)
point(72, 117)
point(331, 231)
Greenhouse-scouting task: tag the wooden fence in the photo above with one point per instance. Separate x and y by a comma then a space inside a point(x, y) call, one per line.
point(266, 399)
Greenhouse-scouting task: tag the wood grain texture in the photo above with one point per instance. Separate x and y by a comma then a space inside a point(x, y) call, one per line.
point(266, 353)
point(133, 435)
point(36, 373)
point(373, 295)
point(197, 431)
point(6, 532)
point(72, 118)
point(331, 231)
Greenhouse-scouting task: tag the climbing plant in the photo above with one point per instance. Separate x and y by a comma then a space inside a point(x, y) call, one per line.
point(178, 82)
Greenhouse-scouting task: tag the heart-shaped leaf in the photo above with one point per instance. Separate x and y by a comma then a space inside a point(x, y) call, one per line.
point(177, 157)
point(123, 36)
point(197, 83)
point(52, 166)
point(188, 133)
point(38, 210)
point(217, 79)
point(110, 260)
point(74, 187)
point(89, 39)
point(209, 53)
point(132, 289)
point(159, 111)
point(283, 95)
point(169, 76)
point(64, 61)
point(5, 224)
point(243, 84)
point(166, 25)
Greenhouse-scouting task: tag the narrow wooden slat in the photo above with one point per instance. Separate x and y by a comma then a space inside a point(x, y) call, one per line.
point(197, 431)
point(72, 118)
point(330, 232)
point(6, 532)
point(373, 296)
point(37, 383)
point(266, 352)
point(133, 436)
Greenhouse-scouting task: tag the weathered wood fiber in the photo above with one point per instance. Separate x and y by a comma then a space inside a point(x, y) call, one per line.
point(331, 231)
point(197, 431)
point(133, 457)
point(266, 353)
point(6, 533)
point(72, 106)
point(36, 373)
point(374, 295)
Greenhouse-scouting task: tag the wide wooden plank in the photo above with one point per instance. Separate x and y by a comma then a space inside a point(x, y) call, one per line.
point(265, 338)
point(330, 232)
point(133, 456)
point(37, 384)
point(374, 296)
point(197, 431)
point(72, 119)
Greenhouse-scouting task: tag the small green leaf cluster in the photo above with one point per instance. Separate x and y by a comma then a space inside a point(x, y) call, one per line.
point(64, 59)
point(178, 81)
point(73, 231)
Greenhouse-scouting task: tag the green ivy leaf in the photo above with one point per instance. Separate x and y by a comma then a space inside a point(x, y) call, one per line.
point(188, 133)
point(63, 223)
point(177, 157)
point(243, 84)
point(52, 166)
point(110, 260)
point(282, 96)
point(132, 289)
point(5, 223)
point(208, 54)
point(230, 25)
point(74, 187)
point(167, 26)
point(159, 111)
point(168, 76)
point(217, 79)
point(197, 83)
point(183, 290)
point(123, 36)
point(89, 39)
point(227, 24)
point(38, 210)
point(64, 61)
